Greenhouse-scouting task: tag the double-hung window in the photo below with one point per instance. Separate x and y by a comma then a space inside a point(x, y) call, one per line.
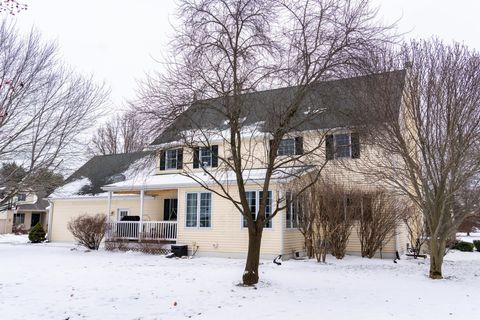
point(253, 199)
point(292, 210)
point(286, 147)
point(199, 209)
point(171, 159)
point(18, 218)
point(343, 146)
point(206, 157)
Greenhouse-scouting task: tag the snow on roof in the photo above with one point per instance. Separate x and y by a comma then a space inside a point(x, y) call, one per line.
point(71, 188)
point(176, 180)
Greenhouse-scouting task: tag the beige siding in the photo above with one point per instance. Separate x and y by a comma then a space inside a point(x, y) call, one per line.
point(226, 236)
point(65, 210)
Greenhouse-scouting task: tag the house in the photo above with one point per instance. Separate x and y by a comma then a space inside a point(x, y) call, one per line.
point(23, 212)
point(179, 200)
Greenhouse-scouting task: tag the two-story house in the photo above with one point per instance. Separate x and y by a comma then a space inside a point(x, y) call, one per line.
point(180, 199)
point(23, 212)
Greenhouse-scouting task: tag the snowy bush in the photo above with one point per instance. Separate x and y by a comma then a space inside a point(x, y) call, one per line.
point(463, 246)
point(37, 234)
point(476, 243)
point(88, 230)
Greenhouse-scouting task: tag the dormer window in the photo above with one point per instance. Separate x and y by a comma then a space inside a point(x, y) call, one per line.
point(171, 159)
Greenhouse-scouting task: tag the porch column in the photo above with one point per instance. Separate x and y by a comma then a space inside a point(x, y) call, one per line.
point(140, 229)
point(109, 207)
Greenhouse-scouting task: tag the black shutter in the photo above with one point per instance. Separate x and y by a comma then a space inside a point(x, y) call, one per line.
point(180, 158)
point(270, 143)
point(162, 160)
point(299, 145)
point(355, 145)
point(196, 155)
point(214, 156)
point(329, 148)
point(166, 209)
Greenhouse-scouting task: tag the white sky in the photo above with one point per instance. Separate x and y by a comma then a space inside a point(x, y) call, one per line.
point(117, 40)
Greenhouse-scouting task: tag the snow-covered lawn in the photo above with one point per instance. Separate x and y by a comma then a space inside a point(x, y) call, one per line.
point(473, 236)
point(13, 239)
point(47, 281)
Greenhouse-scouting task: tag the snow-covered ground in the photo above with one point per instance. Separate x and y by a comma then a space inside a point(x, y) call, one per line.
point(13, 239)
point(48, 281)
point(473, 236)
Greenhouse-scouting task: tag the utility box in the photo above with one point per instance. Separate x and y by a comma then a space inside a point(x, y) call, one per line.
point(179, 250)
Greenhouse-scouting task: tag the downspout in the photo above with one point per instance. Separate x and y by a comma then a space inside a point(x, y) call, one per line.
point(282, 228)
point(50, 219)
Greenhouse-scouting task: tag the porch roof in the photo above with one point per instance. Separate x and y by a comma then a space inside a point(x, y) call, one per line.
point(177, 180)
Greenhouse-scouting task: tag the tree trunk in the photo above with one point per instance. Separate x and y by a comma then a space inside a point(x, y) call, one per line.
point(250, 275)
point(437, 251)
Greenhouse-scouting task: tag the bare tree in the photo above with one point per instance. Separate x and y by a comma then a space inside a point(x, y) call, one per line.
point(12, 7)
point(428, 148)
point(470, 224)
point(44, 107)
point(225, 52)
point(123, 133)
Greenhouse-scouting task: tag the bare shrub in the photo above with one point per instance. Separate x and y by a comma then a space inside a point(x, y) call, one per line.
point(326, 219)
point(337, 217)
point(89, 230)
point(380, 213)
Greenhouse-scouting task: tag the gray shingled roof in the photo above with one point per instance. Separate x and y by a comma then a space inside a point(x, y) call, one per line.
point(101, 169)
point(40, 205)
point(337, 97)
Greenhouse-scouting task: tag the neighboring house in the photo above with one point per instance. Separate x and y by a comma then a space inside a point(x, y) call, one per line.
point(23, 212)
point(173, 207)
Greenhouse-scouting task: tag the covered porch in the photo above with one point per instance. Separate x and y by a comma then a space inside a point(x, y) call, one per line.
point(151, 217)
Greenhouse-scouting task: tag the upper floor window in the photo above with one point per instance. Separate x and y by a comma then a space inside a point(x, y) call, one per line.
point(290, 146)
point(253, 199)
point(171, 159)
point(21, 196)
point(205, 157)
point(345, 145)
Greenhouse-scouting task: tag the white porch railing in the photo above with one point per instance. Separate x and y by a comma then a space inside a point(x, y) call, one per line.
point(151, 230)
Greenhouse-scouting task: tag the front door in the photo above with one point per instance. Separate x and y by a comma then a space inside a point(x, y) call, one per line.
point(35, 219)
point(170, 209)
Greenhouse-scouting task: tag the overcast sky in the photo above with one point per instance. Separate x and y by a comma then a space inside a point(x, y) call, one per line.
point(118, 40)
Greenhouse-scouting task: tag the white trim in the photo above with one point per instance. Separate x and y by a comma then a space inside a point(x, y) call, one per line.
point(142, 198)
point(197, 224)
point(80, 198)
